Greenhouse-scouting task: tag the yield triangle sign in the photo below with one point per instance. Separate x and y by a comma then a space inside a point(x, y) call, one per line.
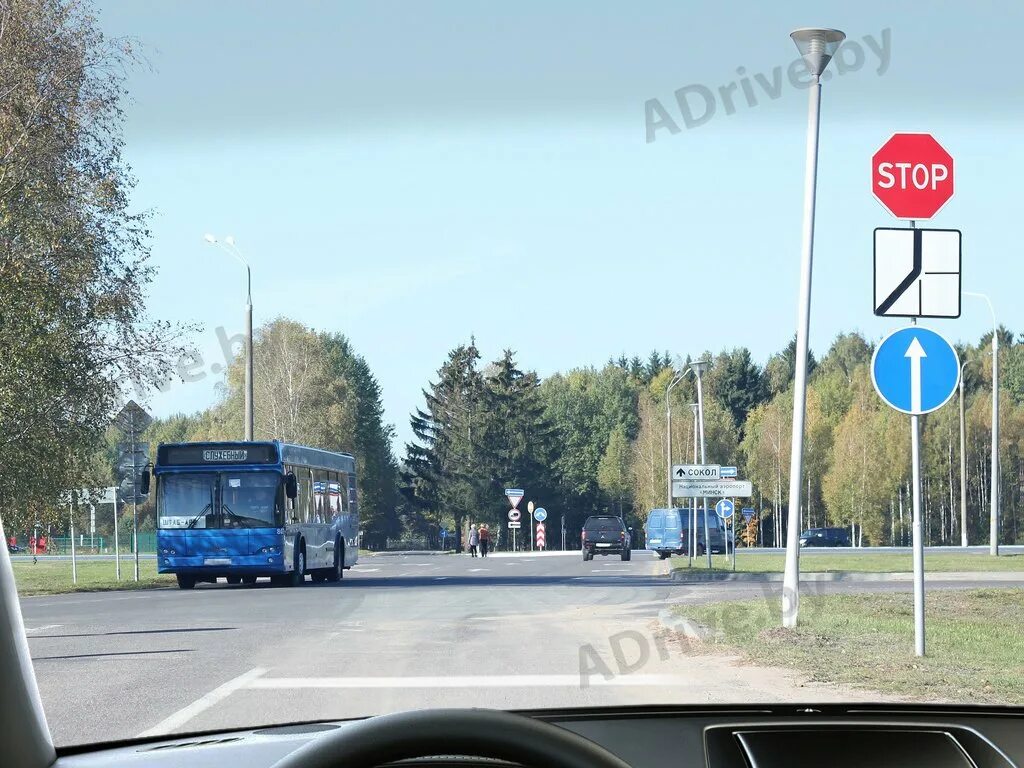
point(514, 496)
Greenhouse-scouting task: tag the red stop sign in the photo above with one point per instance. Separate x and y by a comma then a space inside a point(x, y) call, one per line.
point(912, 175)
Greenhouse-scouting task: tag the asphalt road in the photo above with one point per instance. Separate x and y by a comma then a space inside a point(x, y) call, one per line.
point(397, 633)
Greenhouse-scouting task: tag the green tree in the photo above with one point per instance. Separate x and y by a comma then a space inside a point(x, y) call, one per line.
point(613, 471)
point(73, 255)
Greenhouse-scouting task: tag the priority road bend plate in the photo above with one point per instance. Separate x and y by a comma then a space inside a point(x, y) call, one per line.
point(514, 496)
point(915, 370)
point(917, 272)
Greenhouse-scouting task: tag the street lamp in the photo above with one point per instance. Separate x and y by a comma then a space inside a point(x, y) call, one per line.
point(228, 246)
point(817, 47)
point(691, 545)
point(676, 379)
point(993, 536)
point(698, 367)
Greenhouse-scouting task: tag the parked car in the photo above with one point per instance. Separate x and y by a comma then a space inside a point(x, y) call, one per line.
point(668, 532)
point(825, 537)
point(605, 535)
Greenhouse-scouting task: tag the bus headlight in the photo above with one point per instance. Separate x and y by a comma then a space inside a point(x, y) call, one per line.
point(275, 550)
point(167, 551)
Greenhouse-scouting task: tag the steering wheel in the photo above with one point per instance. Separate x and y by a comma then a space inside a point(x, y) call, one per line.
point(475, 732)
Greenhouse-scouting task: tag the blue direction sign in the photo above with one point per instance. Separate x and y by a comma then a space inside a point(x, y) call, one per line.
point(725, 508)
point(727, 472)
point(915, 370)
point(540, 514)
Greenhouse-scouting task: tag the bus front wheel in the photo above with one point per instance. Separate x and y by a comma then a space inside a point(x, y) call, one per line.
point(298, 575)
point(186, 582)
point(338, 570)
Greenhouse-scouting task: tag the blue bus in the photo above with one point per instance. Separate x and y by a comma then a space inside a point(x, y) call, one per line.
point(242, 510)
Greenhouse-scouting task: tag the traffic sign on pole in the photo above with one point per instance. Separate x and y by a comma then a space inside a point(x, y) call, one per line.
point(915, 370)
point(696, 471)
point(748, 514)
point(724, 509)
point(727, 472)
point(690, 489)
point(917, 272)
point(540, 514)
point(514, 514)
point(541, 535)
point(912, 175)
point(514, 524)
point(514, 496)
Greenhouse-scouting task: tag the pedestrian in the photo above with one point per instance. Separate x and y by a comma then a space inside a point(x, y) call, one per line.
point(485, 539)
point(474, 539)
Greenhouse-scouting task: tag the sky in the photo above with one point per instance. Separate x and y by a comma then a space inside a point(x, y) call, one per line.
point(411, 174)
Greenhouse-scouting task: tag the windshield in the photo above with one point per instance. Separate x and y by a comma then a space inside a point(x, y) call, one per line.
point(222, 500)
point(368, 356)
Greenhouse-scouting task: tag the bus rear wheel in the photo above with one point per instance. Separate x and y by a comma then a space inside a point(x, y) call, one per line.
point(186, 582)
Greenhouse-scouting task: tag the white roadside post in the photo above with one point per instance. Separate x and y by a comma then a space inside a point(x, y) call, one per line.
point(816, 46)
point(668, 431)
point(993, 536)
point(74, 564)
point(117, 549)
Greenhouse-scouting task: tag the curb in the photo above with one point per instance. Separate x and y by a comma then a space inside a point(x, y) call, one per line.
point(411, 552)
point(686, 577)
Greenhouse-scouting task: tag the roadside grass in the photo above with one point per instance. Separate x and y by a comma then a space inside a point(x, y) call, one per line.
point(973, 642)
point(53, 577)
point(861, 562)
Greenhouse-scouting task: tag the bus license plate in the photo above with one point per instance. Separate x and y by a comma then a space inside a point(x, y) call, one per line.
point(217, 561)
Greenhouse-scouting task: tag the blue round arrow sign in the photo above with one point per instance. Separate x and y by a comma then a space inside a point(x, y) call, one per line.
point(725, 508)
point(915, 370)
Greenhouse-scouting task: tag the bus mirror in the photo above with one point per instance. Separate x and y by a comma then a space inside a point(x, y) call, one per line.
point(291, 486)
point(144, 482)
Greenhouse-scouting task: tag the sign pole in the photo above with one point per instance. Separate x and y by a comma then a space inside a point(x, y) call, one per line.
point(732, 530)
point(915, 450)
point(117, 549)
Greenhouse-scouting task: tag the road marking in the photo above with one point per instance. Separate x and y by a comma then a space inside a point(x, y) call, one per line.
point(40, 629)
point(440, 578)
point(609, 570)
point(477, 570)
point(368, 570)
point(474, 681)
point(202, 704)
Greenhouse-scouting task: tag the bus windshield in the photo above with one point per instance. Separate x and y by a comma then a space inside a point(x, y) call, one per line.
point(219, 500)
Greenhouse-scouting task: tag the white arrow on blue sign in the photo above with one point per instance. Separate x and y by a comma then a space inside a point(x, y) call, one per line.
point(540, 514)
point(915, 370)
point(727, 472)
point(725, 508)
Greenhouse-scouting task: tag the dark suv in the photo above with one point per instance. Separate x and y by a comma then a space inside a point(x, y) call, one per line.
point(605, 535)
point(825, 537)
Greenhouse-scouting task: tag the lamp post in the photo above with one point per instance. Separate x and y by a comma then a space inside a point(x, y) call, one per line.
point(993, 536)
point(668, 429)
point(228, 246)
point(691, 545)
point(698, 367)
point(817, 47)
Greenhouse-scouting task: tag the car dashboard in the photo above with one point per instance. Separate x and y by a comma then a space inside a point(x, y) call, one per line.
point(717, 737)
